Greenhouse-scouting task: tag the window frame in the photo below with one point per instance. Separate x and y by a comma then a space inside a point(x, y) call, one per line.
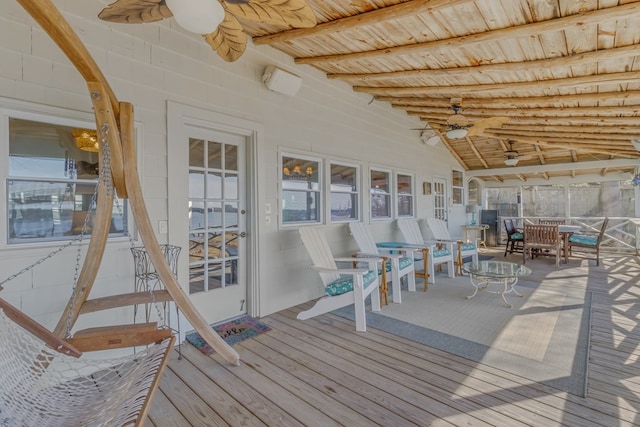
point(320, 191)
point(357, 192)
point(411, 195)
point(457, 189)
point(23, 110)
point(389, 194)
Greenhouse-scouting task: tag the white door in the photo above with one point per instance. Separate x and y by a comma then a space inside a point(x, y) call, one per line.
point(217, 223)
point(440, 198)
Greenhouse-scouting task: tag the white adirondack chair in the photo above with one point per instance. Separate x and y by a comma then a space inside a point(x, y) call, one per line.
point(399, 260)
point(342, 286)
point(461, 248)
point(410, 230)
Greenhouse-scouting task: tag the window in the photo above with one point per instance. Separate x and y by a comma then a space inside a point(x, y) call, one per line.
point(543, 201)
point(52, 176)
point(345, 192)
point(457, 184)
point(380, 194)
point(404, 193)
point(300, 190)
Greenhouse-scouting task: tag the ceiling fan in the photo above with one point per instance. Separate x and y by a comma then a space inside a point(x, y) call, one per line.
point(459, 126)
point(511, 156)
point(217, 21)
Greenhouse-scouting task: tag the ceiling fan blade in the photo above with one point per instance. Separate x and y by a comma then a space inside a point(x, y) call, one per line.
point(229, 40)
point(458, 120)
point(135, 11)
point(289, 13)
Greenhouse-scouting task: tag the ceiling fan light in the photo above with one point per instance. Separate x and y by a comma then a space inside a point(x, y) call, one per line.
point(197, 16)
point(511, 161)
point(456, 133)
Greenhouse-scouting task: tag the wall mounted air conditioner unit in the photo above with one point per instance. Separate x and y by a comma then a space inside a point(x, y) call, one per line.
point(281, 81)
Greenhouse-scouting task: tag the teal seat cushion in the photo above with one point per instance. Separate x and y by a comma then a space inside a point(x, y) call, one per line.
point(441, 252)
point(345, 284)
point(468, 246)
point(402, 263)
point(583, 240)
point(517, 236)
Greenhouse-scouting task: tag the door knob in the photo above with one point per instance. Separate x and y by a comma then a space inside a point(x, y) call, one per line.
point(243, 234)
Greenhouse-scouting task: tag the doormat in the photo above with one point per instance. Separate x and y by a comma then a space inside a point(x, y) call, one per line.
point(231, 332)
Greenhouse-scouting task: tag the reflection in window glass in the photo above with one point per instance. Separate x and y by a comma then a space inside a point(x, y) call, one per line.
point(457, 190)
point(300, 190)
point(345, 193)
point(404, 190)
point(380, 195)
point(213, 215)
point(51, 184)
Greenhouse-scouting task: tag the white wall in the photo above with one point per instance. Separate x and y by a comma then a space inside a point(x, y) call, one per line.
point(151, 64)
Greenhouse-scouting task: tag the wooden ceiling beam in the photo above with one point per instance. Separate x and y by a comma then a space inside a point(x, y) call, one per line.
point(492, 88)
point(373, 17)
point(583, 129)
point(506, 100)
point(629, 122)
point(587, 136)
point(579, 147)
point(560, 167)
point(594, 17)
point(631, 110)
point(473, 148)
point(451, 150)
point(580, 59)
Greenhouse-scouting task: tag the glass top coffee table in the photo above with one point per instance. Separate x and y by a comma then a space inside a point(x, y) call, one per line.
point(503, 274)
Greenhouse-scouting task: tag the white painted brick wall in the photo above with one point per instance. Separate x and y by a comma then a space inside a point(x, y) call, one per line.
point(150, 64)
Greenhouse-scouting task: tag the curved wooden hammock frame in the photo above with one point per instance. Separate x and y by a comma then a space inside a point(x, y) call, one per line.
point(118, 116)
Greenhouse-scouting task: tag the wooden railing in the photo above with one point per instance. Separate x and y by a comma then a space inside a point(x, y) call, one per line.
point(622, 233)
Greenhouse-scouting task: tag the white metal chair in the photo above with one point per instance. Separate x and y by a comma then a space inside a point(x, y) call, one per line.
point(461, 248)
point(398, 260)
point(342, 286)
point(427, 254)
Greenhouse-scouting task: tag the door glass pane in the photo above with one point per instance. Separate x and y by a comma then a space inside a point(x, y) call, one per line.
point(214, 214)
point(214, 275)
point(196, 278)
point(231, 157)
point(196, 153)
point(214, 185)
point(196, 184)
point(214, 155)
point(230, 186)
point(196, 216)
point(231, 217)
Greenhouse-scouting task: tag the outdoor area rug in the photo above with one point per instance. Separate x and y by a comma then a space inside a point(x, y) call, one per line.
point(544, 337)
point(232, 332)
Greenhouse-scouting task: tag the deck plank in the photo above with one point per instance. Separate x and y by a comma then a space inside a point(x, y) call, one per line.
point(321, 372)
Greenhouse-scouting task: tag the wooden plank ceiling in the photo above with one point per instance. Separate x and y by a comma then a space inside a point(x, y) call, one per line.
point(562, 77)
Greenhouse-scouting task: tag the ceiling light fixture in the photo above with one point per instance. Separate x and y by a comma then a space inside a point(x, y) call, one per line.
point(86, 139)
point(197, 16)
point(456, 132)
point(511, 161)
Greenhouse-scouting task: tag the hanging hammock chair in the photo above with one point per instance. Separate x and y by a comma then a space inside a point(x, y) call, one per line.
point(44, 383)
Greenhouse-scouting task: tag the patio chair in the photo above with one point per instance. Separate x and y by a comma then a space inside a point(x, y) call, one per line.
point(344, 286)
point(461, 248)
point(552, 221)
point(538, 239)
point(514, 237)
point(588, 242)
point(398, 261)
point(427, 254)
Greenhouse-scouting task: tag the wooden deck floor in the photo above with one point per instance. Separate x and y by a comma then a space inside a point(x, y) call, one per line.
point(320, 372)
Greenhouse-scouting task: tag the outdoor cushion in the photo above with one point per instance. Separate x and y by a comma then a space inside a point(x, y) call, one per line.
point(468, 246)
point(402, 262)
point(441, 252)
point(345, 284)
point(584, 240)
point(516, 236)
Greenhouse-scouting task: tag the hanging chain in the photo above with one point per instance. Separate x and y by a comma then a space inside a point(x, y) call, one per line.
point(105, 177)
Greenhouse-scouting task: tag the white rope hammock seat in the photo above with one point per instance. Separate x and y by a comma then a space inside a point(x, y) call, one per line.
point(42, 386)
